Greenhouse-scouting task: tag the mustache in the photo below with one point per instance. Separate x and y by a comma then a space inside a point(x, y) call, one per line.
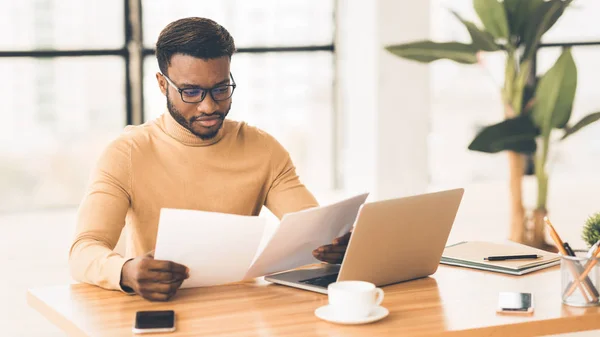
point(219, 115)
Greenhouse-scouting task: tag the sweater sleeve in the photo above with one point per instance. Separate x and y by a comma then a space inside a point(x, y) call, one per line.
point(286, 193)
point(101, 218)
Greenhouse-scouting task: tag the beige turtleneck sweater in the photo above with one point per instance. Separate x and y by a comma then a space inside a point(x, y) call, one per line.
point(161, 164)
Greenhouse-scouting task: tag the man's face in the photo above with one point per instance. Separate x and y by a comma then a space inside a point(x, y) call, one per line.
point(203, 119)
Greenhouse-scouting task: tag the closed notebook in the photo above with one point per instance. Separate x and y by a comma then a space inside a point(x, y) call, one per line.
point(471, 254)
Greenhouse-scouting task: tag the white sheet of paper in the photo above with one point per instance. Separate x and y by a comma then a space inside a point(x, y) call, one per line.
point(301, 232)
point(218, 248)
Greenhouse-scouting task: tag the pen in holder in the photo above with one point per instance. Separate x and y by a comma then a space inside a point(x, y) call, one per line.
point(586, 277)
point(569, 267)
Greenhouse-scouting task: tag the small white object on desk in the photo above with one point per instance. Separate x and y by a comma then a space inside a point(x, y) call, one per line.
point(353, 302)
point(328, 313)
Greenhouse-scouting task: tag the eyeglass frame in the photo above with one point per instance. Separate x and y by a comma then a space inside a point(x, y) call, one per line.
point(233, 85)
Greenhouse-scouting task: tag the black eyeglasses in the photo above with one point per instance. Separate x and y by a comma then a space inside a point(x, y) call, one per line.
point(196, 95)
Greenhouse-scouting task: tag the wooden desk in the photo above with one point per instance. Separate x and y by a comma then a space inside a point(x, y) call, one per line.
point(453, 302)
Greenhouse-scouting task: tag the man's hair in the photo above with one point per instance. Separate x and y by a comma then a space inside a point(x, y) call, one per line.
point(198, 37)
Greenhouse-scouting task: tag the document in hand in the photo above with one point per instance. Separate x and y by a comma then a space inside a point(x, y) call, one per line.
point(222, 248)
point(301, 232)
point(216, 247)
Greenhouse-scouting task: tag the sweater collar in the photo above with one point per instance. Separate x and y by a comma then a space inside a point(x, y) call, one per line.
point(184, 136)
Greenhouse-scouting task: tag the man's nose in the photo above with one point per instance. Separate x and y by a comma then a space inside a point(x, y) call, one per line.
point(208, 106)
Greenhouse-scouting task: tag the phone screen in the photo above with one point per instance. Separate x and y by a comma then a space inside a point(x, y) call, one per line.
point(154, 319)
point(513, 301)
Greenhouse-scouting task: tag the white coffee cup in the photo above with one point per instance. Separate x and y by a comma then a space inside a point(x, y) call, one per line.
point(354, 299)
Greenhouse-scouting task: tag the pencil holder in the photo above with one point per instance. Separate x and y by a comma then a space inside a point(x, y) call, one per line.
point(579, 280)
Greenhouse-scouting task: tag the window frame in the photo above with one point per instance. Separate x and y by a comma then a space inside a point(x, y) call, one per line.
point(560, 45)
point(134, 52)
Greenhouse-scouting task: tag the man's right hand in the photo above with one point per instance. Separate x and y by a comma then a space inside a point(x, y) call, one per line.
point(152, 279)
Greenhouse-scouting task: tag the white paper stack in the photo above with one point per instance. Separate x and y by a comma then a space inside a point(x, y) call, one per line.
point(222, 248)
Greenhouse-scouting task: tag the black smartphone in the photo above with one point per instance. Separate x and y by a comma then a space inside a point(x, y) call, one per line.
point(154, 321)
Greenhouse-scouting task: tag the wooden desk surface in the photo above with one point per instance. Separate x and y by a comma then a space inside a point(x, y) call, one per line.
point(453, 302)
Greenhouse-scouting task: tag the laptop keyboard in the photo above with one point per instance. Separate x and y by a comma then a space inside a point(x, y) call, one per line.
point(321, 281)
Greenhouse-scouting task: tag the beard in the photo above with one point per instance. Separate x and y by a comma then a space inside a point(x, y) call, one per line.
point(207, 133)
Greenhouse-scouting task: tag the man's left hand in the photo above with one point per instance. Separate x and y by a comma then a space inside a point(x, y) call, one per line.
point(333, 253)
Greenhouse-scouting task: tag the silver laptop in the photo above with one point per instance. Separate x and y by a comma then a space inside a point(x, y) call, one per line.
point(393, 241)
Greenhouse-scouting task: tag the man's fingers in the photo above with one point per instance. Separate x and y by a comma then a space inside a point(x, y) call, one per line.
point(155, 276)
point(169, 266)
point(179, 268)
point(156, 287)
point(160, 291)
point(332, 254)
point(337, 249)
point(332, 257)
point(331, 249)
point(176, 286)
point(342, 240)
point(161, 276)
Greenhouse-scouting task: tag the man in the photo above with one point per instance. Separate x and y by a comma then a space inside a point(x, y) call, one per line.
point(189, 158)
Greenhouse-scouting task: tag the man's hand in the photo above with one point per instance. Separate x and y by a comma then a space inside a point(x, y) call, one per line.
point(333, 253)
point(152, 279)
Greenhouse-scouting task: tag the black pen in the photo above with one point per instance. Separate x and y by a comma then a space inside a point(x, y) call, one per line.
point(511, 257)
point(580, 269)
point(569, 249)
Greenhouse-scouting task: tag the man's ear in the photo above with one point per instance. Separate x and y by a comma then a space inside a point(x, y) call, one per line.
point(162, 83)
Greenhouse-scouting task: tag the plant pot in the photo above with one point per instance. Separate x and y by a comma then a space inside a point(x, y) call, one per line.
point(535, 231)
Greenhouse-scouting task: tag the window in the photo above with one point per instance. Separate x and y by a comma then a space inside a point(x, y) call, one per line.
point(467, 97)
point(72, 84)
point(284, 71)
point(61, 24)
point(58, 111)
point(256, 23)
point(578, 24)
point(580, 153)
point(464, 99)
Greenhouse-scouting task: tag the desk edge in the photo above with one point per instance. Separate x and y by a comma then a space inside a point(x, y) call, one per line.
point(53, 315)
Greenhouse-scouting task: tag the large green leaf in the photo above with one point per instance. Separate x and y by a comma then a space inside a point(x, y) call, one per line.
point(544, 17)
point(493, 17)
point(518, 14)
point(555, 94)
point(558, 14)
point(585, 121)
point(428, 51)
point(482, 40)
point(515, 134)
point(511, 6)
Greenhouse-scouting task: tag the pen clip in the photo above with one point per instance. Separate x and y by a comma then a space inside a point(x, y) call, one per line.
point(568, 249)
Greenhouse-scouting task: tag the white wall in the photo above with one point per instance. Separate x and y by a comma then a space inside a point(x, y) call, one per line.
point(384, 101)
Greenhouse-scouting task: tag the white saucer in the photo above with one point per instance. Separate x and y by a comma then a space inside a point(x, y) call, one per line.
point(326, 313)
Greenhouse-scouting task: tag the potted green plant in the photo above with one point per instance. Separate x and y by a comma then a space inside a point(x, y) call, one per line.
point(534, 107)
point(591, 229)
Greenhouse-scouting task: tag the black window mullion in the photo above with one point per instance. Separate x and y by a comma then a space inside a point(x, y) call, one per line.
point(570, 44)
point(127, 32)
point(63, 53)
point(255, 50)
point(560, 45)
point(134, 73)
